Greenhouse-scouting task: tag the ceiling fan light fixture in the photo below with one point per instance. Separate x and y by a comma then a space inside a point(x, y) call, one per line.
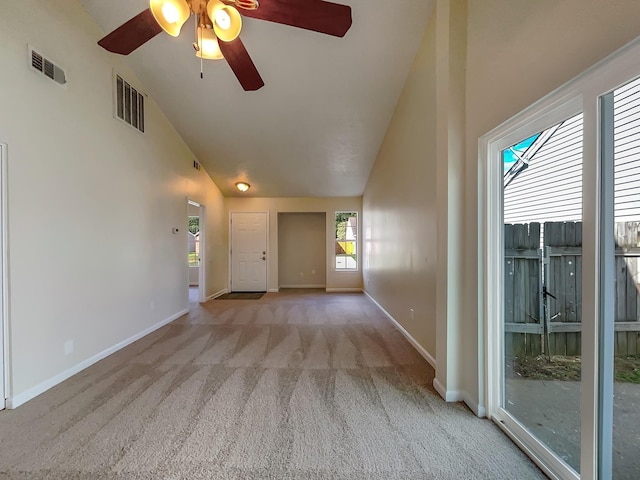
point(226, 19)
point(247, 4)
point(170, 14)
point(208, 47)
point(243, 186)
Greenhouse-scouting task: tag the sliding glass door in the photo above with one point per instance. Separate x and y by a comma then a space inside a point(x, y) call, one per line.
point(561, 275)
point(620, 355)
point(542, 295)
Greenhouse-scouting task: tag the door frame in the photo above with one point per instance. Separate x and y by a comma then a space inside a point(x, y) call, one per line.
point(4, 282)
point(585, 93)
point(267, 232)
point(202, 291)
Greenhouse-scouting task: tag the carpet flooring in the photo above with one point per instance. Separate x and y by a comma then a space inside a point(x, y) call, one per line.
point(296, 385)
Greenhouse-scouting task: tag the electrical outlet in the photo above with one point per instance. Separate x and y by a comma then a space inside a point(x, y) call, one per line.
point(411, 313)
point(68, 347)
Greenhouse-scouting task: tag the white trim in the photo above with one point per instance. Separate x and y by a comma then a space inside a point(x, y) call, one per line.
point(421, 350)
point(477, 408)
point(303, 286)
point(17, 400)
point(4, 281)
point(202, 273)
point(343, 290)
point(273, 290)
point(448, 396)
point(219, 293)
point(539, 454)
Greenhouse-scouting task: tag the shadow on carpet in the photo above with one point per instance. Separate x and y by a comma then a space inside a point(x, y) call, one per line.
point(241, 296)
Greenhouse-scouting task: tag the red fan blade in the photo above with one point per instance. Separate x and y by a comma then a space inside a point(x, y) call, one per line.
point(319, 16)
point(131, 35)
point(240, 62)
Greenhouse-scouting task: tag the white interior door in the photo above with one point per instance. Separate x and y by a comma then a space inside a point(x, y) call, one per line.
point(249, 252)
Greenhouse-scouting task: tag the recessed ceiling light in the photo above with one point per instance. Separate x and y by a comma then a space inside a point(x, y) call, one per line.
point(242, 186)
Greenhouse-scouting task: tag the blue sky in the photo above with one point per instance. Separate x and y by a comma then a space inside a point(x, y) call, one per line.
point(508, 156)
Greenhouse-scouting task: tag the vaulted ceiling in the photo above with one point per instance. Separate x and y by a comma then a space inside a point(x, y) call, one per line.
point(315, 128)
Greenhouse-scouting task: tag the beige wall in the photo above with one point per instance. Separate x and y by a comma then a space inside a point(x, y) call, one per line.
point(334, 279)
point(92, 202)
point(399, 204)
point(302, 252)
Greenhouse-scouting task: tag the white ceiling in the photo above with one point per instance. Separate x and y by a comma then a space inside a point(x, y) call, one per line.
point(315, 128)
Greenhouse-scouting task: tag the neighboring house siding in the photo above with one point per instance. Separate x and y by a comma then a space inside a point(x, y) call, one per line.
point(627, 152)
point(550, 189)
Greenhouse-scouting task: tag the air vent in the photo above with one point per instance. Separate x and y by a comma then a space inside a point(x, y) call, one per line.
point(129, 103)
point(196, 165)
point(47, 67)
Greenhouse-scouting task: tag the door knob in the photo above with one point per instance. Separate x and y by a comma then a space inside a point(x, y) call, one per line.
point(264, 258)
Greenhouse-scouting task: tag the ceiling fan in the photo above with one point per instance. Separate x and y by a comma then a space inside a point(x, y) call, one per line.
point(218, 24)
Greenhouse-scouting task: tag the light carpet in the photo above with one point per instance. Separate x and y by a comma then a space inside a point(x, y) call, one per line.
point(297, 385)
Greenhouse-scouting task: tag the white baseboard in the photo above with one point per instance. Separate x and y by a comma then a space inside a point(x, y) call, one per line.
point(459, 396)
point(274, 290)
point(16, 400)
point(421, 350)
point(343, 290)
point(302, 286)
point(476, 408)
point(447, 396)
point(217, 294)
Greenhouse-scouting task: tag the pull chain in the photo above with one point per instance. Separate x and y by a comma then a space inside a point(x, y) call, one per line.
point(198, 44)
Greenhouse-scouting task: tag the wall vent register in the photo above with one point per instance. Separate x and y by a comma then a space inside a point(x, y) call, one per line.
point(47, 67)
point(129, 103)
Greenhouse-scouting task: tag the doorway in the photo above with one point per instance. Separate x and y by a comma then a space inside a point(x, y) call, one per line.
point(196, 251)
point(248, 252)
point(302, 250)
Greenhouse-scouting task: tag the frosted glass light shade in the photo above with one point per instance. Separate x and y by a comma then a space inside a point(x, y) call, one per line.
point(170, 14)
point(227, 21)
point(209, 48)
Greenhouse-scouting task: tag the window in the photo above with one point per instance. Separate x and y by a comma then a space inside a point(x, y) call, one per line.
point(346, 240)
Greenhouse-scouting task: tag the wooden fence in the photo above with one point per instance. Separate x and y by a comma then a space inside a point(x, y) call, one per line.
point(543, 289)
